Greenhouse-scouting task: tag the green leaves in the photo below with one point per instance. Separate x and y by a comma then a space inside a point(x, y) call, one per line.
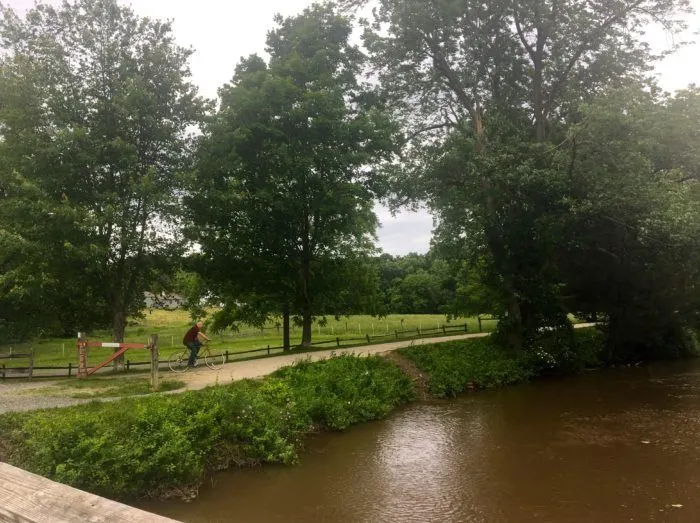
point(95, 116)
point(488, 96)
point(162, 445)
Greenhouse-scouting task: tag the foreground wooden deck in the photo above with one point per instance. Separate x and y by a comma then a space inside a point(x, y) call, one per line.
point(28, 498)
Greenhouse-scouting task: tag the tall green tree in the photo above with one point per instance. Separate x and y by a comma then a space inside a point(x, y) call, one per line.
point(283, 198)
point(485, 92)
point(94, 120)
point(632, 254)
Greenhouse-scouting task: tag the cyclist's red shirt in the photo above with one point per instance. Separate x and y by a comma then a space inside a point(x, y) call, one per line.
point(191, 335)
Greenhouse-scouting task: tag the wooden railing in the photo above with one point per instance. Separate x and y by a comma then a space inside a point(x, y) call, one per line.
point(28, 498)
point(19, 372)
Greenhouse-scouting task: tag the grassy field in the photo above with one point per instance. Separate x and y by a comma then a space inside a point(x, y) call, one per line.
point(172, 325)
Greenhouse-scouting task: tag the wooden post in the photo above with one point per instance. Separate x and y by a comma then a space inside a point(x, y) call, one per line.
point(31, 362)
point(337, 341)
point(226, 356)
point(443, 330)
point(466, 327)
point(128, 363)
point(479, 320)
point(82, 355)
point(70, 369)
point(3, 371)
point(153, 345)
point(368, 338)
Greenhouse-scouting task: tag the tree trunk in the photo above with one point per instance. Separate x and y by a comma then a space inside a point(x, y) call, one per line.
point(118, 328)
point(285, 327)
point(514, 333)
point(307, 309)
point(306, 326)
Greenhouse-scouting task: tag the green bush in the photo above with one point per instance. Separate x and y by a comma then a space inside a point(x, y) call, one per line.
point(454, 367)
point(151, 446)
point(566, 352)
point(345, 390)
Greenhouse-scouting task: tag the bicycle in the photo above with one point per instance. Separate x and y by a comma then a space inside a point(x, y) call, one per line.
point(178, 360)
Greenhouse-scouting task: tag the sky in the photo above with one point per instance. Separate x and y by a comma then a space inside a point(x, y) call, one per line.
point(223, 31)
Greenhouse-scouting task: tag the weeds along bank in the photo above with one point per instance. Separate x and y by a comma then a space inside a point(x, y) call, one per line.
point(455, 367)
point(166, 445)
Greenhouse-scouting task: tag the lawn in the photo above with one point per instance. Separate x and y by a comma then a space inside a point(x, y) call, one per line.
point(171, 326)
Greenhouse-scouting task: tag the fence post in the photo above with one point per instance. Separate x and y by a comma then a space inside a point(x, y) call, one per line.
point(443, 330)
point(3, 371)
point(268, 350)
point(368, 338)
point(337, 341)
point(418, 331)
point(153, 345)
point(226, 356)
point(466, 327)
point(70, 369)
point(31, 362)
point(397, 334)
point(127, 365)
point(479, 319)
point(82, 355)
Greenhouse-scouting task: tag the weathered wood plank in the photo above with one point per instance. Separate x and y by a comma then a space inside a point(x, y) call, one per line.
point(28, 498)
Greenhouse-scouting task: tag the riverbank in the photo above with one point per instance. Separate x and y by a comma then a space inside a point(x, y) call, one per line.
point(166, 445)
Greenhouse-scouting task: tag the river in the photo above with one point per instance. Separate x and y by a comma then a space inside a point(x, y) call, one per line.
point(609, 446)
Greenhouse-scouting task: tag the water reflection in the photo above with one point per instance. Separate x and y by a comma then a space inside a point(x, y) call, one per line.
point(609, 446)
point(419, 457)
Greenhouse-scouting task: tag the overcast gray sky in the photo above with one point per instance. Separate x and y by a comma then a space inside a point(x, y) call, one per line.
point(222, 31)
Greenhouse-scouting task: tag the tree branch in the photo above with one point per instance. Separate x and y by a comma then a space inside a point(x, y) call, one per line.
point(582, 48)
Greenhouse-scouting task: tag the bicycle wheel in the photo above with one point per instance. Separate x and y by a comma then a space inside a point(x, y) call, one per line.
point(213, 361)
point(178, 361)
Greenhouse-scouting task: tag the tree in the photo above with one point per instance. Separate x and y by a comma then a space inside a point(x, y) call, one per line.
point(416, 284)
point(485, 92)
point(283, 195)
point(632, 254)
point(94, 119)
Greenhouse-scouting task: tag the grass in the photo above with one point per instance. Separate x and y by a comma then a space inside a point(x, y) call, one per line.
point(105, 387)
point(172, 325)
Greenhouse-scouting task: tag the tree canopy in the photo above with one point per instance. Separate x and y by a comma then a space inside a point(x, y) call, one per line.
point(282, 201)
point(490, 97)
point(94, 121)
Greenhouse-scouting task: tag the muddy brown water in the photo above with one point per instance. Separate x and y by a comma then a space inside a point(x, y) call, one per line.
point(610, 446)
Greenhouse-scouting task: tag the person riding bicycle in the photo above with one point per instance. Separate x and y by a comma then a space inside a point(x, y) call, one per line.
point(191, 341)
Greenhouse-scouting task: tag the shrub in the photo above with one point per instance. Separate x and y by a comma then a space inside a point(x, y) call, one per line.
point(565, 351)
point(345, 390)
point(151, 446)
point(454, 367)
